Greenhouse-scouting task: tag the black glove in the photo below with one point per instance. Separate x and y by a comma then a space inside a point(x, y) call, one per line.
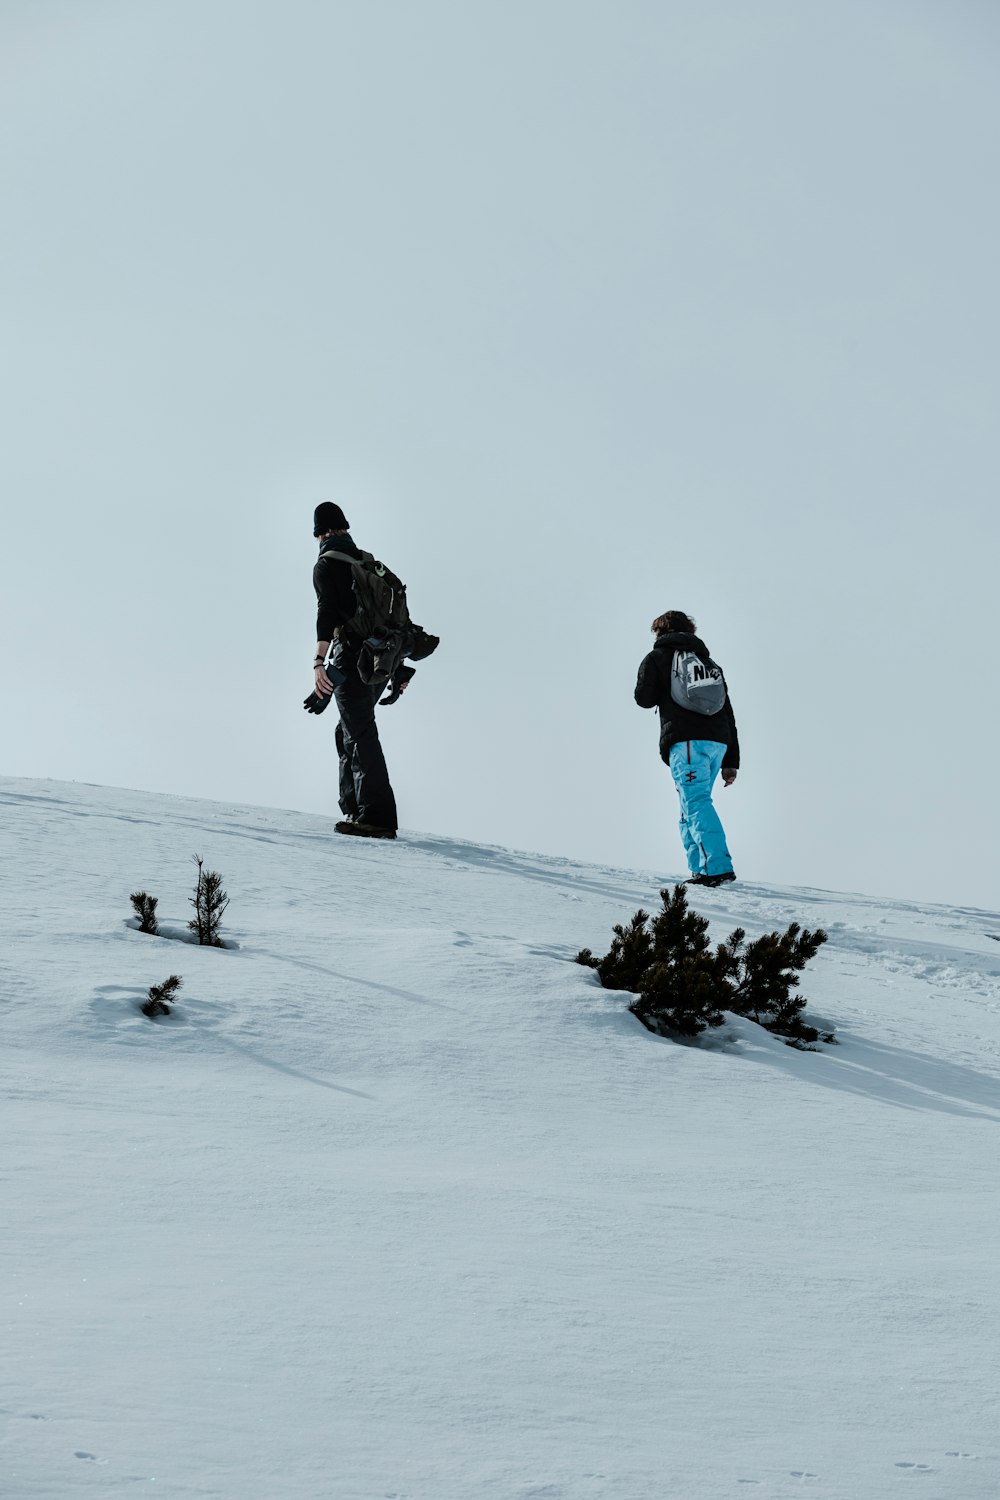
point(397, 682)
point(315, 704)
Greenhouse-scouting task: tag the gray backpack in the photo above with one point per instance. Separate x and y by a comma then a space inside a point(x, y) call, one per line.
point(697, 684)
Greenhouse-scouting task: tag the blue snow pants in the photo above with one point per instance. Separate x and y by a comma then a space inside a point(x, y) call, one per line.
point(694, 765)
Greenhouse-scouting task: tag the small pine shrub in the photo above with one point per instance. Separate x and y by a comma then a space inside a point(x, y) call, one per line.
point(682, 987)
point(209, 902)
point(161, 995)
point(144, 907)
point(682, 990)
point(628, 959)
point(764, 976)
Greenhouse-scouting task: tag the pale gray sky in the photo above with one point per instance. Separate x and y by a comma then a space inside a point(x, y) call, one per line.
point(582, 311)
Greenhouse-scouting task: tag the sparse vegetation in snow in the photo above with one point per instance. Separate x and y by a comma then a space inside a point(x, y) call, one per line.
point(161, 996)
point(144, 907)
point(683, 987)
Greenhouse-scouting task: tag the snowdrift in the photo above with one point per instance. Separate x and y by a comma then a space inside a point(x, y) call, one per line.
point(400, 1203)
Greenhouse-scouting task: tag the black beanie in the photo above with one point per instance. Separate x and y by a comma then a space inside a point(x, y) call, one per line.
point(329, 517)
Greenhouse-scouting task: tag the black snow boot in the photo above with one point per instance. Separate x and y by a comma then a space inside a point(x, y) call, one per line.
point(364, 830)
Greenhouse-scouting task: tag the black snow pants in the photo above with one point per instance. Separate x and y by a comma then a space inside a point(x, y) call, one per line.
point(365, 792)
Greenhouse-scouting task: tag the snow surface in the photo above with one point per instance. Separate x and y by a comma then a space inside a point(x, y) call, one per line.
point(399, 1204)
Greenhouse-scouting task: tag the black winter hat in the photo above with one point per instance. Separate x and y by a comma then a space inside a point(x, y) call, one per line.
point(329, 517)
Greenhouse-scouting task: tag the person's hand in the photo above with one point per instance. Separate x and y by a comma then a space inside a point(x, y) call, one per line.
point(324, 686)
point(729, 775)
point(398, 683)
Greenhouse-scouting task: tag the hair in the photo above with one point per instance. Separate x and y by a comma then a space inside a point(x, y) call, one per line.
point(673, 619)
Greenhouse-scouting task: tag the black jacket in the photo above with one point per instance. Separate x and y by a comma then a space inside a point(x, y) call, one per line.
point(335, 598)
point(652, 690)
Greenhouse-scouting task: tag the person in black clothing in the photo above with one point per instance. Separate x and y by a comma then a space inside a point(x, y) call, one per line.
point(366, 796)
point(695, 745)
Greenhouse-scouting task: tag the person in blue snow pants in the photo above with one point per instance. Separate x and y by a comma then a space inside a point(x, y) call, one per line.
point(697, 746)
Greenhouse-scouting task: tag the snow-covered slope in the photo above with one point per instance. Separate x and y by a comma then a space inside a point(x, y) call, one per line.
point(400, 1203)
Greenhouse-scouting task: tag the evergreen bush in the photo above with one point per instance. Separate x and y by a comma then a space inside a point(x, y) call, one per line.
point(209, 902)
point(144, 907)
point(764, 975)
point(160, 995)
point(683, 987)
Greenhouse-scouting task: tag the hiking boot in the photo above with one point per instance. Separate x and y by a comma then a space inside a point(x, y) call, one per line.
point(364, 830)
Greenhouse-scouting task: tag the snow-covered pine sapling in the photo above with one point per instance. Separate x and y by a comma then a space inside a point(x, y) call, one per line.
point(160, 996)
point(668, 965)
point(209, 902)
point(682, 987)
point(766, 973)
point(682, 990)
point(628, 958)
point(144, 907)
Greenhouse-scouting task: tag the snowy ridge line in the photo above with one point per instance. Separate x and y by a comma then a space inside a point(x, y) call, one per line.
point(208, 817)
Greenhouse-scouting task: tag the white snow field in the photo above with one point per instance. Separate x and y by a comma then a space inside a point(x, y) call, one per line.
point(399, 1204)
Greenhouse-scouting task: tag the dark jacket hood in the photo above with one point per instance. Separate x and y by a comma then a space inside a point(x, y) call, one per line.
point(681, 640)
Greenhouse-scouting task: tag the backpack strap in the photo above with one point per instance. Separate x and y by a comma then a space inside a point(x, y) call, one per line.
point(366, 557)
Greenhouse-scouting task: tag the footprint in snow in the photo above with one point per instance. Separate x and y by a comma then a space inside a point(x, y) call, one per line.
point(91, 1458)
point(916, 1468)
